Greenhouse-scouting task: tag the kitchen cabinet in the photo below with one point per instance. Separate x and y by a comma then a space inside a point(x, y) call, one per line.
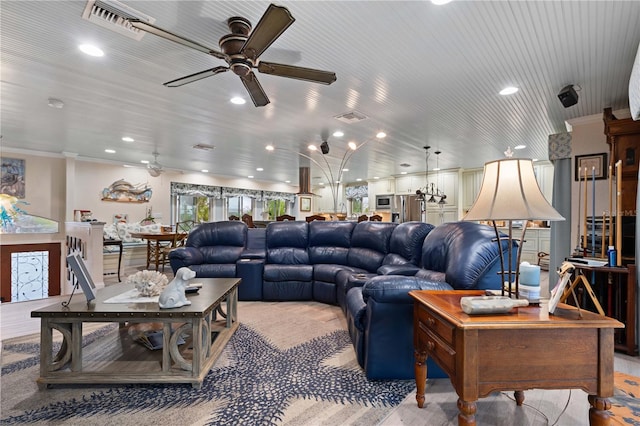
point(380, 187)
point(536, 240)
point(471, 181)
point(408, 184)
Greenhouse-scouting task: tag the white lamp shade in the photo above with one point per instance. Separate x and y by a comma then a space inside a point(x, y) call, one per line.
point(510, 191)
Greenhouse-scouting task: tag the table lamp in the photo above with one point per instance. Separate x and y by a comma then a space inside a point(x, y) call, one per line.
point(510, 192)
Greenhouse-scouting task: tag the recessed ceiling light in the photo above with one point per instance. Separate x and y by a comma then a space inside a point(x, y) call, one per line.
point(238, 100)
point(55, 103)
point(510, 90)
point(144, 161)
point(440, 2)
point(321, 183)
point(312, 148)
point(287, 181)
point(436, 169)
point(110, 151)
point(376, 177)
point(352, 145)
point(260, 169)
point(358, 180)
point(338, 134)
point(381, 135)
point(128, 139)
point(91, 50)
point(535, 159)
point(269, 148)
point(345, 170)
point(403, 173)
point(250, 177)
point(127, 165)
point(519, 147)
point(204, 171)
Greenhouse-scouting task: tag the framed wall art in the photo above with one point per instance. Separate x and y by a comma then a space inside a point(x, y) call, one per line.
point(593, 162)
point(305, 204)
point(13, 177)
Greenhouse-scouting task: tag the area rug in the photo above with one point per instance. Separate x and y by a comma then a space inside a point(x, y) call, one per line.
point(287, 363)
point(625, 405)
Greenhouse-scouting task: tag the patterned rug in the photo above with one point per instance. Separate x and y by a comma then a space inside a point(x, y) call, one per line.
point(625, 406)
point(268, 374)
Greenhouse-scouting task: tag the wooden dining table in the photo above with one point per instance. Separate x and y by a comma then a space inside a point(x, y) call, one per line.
point(157, 241)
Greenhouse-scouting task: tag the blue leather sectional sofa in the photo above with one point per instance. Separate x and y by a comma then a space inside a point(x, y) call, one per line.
point(367, 268)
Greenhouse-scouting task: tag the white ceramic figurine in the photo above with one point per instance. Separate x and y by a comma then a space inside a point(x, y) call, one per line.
point(173, 295)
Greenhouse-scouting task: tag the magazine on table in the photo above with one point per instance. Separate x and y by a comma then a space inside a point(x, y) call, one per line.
point(153, 339)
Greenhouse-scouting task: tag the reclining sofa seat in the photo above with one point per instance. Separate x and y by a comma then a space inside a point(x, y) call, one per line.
point(403, 256)
point(212, 249)
point(287, 274)
point(456, 255)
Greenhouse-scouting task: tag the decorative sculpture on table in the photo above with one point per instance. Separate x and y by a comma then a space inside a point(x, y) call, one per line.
point(148, 283)
point(174, 295)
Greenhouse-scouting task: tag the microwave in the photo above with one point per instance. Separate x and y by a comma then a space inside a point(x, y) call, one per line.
point(384, 202)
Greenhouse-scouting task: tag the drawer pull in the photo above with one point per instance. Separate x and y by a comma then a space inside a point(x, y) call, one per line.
point(430, 345)
point(431, 322)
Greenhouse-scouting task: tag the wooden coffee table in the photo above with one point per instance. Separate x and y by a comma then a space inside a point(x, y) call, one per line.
point(524, 349)
point(198, 324)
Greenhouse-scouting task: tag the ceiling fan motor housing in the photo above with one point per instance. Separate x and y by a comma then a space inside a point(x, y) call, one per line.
point(239, 25)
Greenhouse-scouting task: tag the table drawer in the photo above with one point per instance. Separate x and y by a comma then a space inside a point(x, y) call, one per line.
point(441, 352)
point(436, 325)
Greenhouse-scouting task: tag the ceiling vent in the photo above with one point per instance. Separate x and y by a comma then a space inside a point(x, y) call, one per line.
point(115, 16)
point(351, 117)
point(204, 147)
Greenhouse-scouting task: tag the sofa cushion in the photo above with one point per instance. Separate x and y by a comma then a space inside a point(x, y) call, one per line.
point(125, 230)
point(329, 242)
point(467, 253)
point(214, 234)
point(288, 273)
point(405, 244)
point(287, 243)
point(370, 244)
point(328, 273)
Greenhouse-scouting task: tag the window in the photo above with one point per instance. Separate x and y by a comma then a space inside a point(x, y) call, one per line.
point(360, 205)
point(276, 208)
point(238, 206)
point(196, 208)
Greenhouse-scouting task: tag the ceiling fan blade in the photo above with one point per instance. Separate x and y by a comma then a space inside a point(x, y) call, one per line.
point(145, 26)
point(273, 23)
point(255, 90)
point(300, 73)
point(195, 77)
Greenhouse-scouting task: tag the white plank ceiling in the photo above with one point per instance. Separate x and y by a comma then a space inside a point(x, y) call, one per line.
point(425, 74)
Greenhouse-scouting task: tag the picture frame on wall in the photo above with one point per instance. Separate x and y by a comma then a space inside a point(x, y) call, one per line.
point(594, 163)
point(305, 204)
point(13, 177)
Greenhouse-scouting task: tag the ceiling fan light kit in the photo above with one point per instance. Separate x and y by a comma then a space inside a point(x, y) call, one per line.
point(241, 50)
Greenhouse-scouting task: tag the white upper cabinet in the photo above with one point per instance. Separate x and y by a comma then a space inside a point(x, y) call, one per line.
point(471, 182)
point(381, 187)
point(409, 184)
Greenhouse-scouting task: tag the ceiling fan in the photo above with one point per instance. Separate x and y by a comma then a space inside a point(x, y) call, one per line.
point(155, 169)
point(241, 50)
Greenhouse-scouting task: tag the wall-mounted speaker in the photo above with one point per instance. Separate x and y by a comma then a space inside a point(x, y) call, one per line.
point(568, 96)
point(324, 146)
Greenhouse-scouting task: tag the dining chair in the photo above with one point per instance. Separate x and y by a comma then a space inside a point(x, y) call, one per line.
point(248, 219)
point(234, 217)
point(375, 218)
point(284, 217)
point(363, 218)
point(315, 217)
point(179, 240)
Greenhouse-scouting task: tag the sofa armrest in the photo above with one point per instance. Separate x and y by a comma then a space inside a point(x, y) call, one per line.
point(356, 308)
point(396, 288)
point(407, 270)
point(185, 256)
point(253, 254)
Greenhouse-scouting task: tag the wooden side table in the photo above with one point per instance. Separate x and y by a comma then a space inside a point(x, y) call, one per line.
point(525, 349)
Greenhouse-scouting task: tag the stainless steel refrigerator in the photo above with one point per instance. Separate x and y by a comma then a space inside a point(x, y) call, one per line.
point(408, 207)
